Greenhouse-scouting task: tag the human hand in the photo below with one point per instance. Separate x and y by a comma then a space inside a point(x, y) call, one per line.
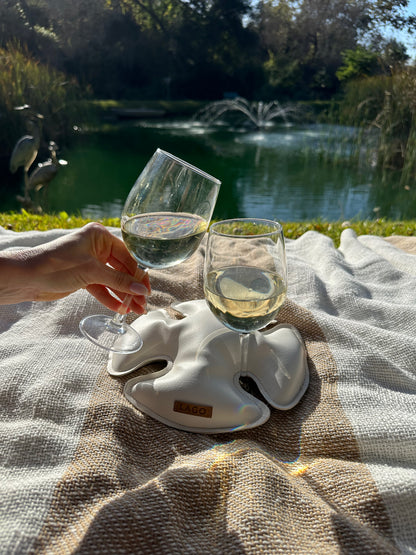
point(91, 258)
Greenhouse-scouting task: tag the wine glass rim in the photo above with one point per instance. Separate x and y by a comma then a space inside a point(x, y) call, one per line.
point(190, 166)
point(276, 227)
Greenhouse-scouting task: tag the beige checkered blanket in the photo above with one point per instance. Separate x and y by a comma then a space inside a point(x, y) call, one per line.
point(83, 471)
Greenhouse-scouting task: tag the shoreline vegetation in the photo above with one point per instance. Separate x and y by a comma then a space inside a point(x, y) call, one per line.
point(24, 221)
point(380, 105)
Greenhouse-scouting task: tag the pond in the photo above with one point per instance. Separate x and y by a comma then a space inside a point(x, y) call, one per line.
point(283, 172)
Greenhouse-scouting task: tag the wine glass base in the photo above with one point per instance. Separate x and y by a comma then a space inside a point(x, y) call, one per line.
point(108, 334)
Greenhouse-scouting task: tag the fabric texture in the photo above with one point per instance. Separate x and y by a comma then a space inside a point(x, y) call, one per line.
point(83, 471)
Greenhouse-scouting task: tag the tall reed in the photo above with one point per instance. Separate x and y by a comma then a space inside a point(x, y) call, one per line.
point(23, 80)
point(384, 107)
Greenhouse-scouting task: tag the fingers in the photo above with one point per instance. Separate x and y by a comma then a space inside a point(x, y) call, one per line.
point(102, 274)
point(137, 306)
point(104, 297)
point(122, 261)
point(115, 270)
point(143, 282)
point(108, 248)
point(143, 277)
point(102, 294)
point(119, 257)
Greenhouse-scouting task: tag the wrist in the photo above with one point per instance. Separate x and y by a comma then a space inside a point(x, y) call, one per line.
point(17, 279)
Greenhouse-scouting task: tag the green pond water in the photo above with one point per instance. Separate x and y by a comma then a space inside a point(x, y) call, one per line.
point(284, 172)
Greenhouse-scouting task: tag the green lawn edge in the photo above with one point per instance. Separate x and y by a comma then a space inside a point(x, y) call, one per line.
point(25, 221)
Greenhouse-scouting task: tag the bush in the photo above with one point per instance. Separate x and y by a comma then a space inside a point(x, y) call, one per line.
point(387, 105)
point(23, 80)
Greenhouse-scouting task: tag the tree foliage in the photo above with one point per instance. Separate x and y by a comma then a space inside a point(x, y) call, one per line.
point(203, 48)
point(358, 63)
point(363, 62)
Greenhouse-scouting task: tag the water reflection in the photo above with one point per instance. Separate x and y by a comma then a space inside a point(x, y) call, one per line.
point(285, 172)
point(106, 209)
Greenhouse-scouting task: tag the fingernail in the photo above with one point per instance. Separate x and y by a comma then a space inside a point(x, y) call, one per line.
point(138, 289)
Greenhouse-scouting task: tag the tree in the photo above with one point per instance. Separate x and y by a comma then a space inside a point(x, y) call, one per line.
point(27, 24)
point(202, 48)
point(204, 44)
point(394, 55)
point(303, 40)
point(392, 13)
point(358, 63)
point(224, 52)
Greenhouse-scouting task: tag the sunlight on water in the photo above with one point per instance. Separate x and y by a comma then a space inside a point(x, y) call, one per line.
point(107, 209)
point(283, 171)
point(317, 137)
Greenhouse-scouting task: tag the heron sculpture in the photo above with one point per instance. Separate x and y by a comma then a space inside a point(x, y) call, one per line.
point(43, 174)
point(27, 147)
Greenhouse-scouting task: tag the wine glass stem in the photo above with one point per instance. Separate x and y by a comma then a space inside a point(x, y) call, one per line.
point(244, 341)
point(119, 318)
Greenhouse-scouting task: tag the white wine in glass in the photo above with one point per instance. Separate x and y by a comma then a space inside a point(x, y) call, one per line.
point(164, 219)
point(245, 275)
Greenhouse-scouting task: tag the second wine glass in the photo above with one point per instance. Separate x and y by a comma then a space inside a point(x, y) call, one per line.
point(245, 275)
point(164, 219)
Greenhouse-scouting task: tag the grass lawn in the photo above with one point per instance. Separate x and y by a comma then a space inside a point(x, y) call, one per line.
point(23, 221)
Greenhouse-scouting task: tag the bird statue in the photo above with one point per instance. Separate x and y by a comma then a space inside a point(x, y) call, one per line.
point(44, 172)
point(26, 148)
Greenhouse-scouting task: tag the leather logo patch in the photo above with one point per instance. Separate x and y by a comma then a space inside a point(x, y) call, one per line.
point(193, 410)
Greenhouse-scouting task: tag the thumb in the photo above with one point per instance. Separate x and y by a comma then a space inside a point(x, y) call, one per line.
point(121, 281)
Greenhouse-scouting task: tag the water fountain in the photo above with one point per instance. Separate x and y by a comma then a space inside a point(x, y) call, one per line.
point(259, 114)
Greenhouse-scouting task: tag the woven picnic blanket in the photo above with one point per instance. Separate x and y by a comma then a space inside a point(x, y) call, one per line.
point(83, 471)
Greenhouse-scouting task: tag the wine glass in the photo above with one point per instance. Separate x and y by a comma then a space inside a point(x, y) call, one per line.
point(245, 275)
point(164, 219)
